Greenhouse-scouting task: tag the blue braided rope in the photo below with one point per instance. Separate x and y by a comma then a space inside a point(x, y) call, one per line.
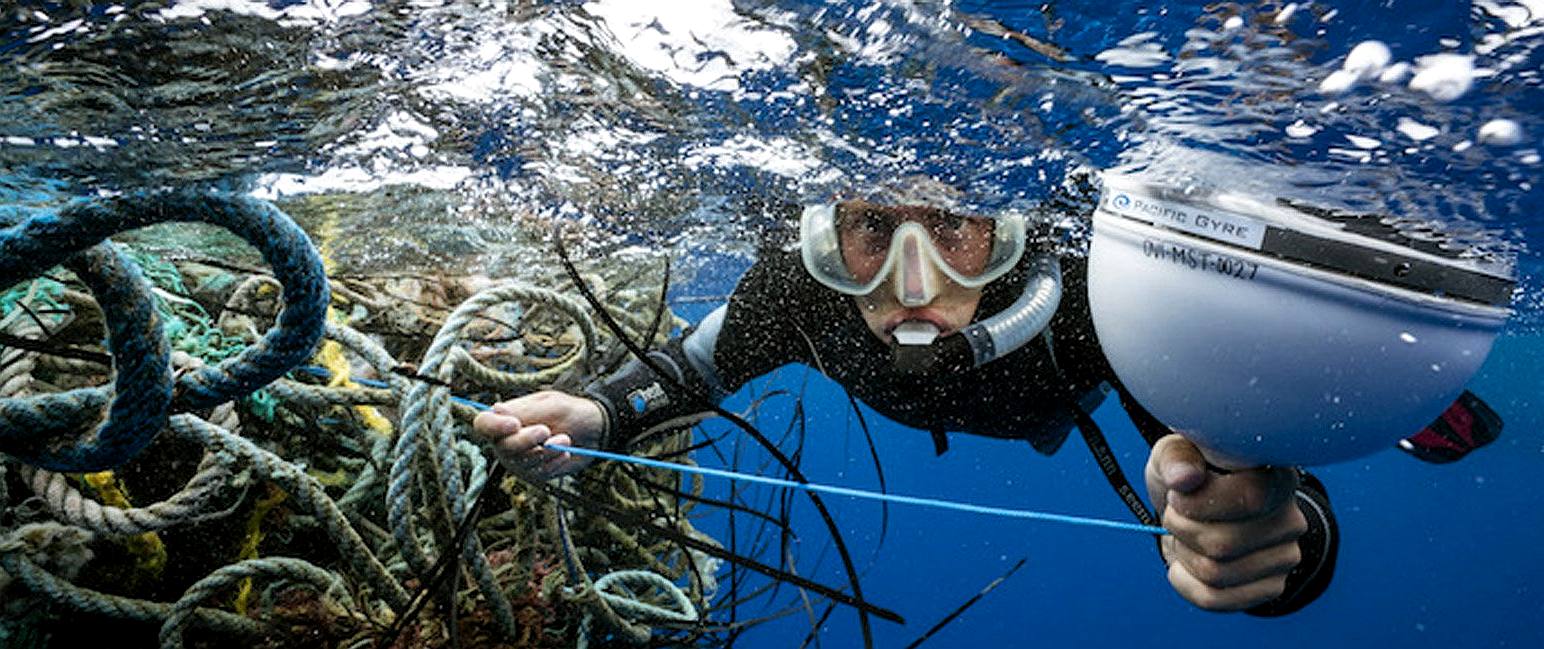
point(30, 429)
point(45, 431)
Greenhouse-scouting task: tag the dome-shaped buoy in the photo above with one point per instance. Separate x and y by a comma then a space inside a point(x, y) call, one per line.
point(1283, 333)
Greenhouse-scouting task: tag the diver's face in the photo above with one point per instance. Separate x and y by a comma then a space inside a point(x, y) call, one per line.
point(867, 232)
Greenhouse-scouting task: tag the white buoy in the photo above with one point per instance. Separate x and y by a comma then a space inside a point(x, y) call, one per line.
point(1231, 317)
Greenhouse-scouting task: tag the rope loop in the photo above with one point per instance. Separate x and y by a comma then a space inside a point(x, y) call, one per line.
point(628, 593)
point(46, 431)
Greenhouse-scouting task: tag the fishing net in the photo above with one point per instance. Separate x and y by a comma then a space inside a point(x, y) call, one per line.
point(317, 509)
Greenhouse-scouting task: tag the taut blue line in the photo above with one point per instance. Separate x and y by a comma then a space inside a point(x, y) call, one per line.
point(811, 486)
point(859, 493)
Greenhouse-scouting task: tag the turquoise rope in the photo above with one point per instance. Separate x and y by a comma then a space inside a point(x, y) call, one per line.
point(830, 489)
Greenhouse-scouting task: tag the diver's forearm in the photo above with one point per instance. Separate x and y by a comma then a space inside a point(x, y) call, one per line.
point(635, 398)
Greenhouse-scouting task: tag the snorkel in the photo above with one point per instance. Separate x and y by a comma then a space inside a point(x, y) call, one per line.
point(918, 347)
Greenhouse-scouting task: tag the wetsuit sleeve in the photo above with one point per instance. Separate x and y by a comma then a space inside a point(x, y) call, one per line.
point(637, 398)
point(746, 338)
point(1320, 544)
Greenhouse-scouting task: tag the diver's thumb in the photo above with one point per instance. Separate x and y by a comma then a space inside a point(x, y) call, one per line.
point(1175, 464)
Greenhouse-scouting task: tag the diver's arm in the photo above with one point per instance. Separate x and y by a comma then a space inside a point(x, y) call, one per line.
point(635, 398)
point(746, 338)
point(1319, 545)
point(750, 336)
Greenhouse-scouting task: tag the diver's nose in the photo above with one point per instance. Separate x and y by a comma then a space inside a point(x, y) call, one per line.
point(916, 284)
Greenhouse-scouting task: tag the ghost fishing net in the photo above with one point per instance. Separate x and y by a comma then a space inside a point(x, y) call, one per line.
point(322, 507)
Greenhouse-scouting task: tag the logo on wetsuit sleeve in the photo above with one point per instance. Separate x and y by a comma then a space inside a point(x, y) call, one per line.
point(648, 398)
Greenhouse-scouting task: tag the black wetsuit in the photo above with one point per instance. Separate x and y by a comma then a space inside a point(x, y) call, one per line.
point(778, 315)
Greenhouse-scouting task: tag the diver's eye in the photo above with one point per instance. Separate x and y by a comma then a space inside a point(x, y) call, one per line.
point(947, 228)
point(872, 228)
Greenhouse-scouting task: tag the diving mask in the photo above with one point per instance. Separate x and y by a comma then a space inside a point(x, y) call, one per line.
point(854, 247)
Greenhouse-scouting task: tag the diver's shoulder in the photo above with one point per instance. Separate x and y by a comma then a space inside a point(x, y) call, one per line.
point(781, 273)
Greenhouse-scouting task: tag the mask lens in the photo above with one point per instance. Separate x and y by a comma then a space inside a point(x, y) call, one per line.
point(865, 235)
point(962, 242)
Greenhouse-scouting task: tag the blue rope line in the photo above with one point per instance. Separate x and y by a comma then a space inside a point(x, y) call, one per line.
point(859, 493)
point(811, 486)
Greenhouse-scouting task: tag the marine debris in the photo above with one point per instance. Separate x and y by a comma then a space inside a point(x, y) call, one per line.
point(219, 471)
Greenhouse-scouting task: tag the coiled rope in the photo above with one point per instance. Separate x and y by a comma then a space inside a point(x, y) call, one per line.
point(424, 452)
point(279, 568)
point(16, 547)
point(50, 431)
point(432, 473)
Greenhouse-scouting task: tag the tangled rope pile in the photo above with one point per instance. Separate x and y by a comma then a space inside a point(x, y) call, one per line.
point(354, 492)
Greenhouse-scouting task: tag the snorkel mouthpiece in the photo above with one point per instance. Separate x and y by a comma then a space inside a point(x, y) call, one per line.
point(915, 332)
point(913, 351)
point(918, 350)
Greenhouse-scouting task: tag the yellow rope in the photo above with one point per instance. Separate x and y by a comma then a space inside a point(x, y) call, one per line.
point(253, 537)
point(330, 355)
point(147, 549)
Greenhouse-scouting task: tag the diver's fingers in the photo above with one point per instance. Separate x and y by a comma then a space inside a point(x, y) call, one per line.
point(522, 452)
point(1174, 464)
point(1272, 561)
point(1229, 540)
point(561, 439)
point(1238, 496)
point(560, 463)
point(1235, 598)
point(495, 425)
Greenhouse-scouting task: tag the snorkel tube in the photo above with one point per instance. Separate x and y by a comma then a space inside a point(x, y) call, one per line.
point(992, 338)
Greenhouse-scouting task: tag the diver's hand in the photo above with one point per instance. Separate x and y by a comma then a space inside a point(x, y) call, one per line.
point(519, 427)
point(1232, 538)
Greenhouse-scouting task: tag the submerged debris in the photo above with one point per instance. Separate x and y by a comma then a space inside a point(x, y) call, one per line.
point(309, 513)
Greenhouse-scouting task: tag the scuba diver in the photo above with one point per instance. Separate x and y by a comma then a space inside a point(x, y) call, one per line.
point(943, 321)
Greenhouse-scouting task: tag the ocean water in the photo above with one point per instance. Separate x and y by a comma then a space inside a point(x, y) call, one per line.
point(697, 128)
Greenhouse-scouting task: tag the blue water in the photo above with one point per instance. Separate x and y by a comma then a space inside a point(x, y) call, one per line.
point(1431, 556)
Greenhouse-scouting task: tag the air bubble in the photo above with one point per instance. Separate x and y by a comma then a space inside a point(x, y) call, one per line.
point(1444, 77)
point(1367, 59)
point(1501, 132)
point(1300, 130)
